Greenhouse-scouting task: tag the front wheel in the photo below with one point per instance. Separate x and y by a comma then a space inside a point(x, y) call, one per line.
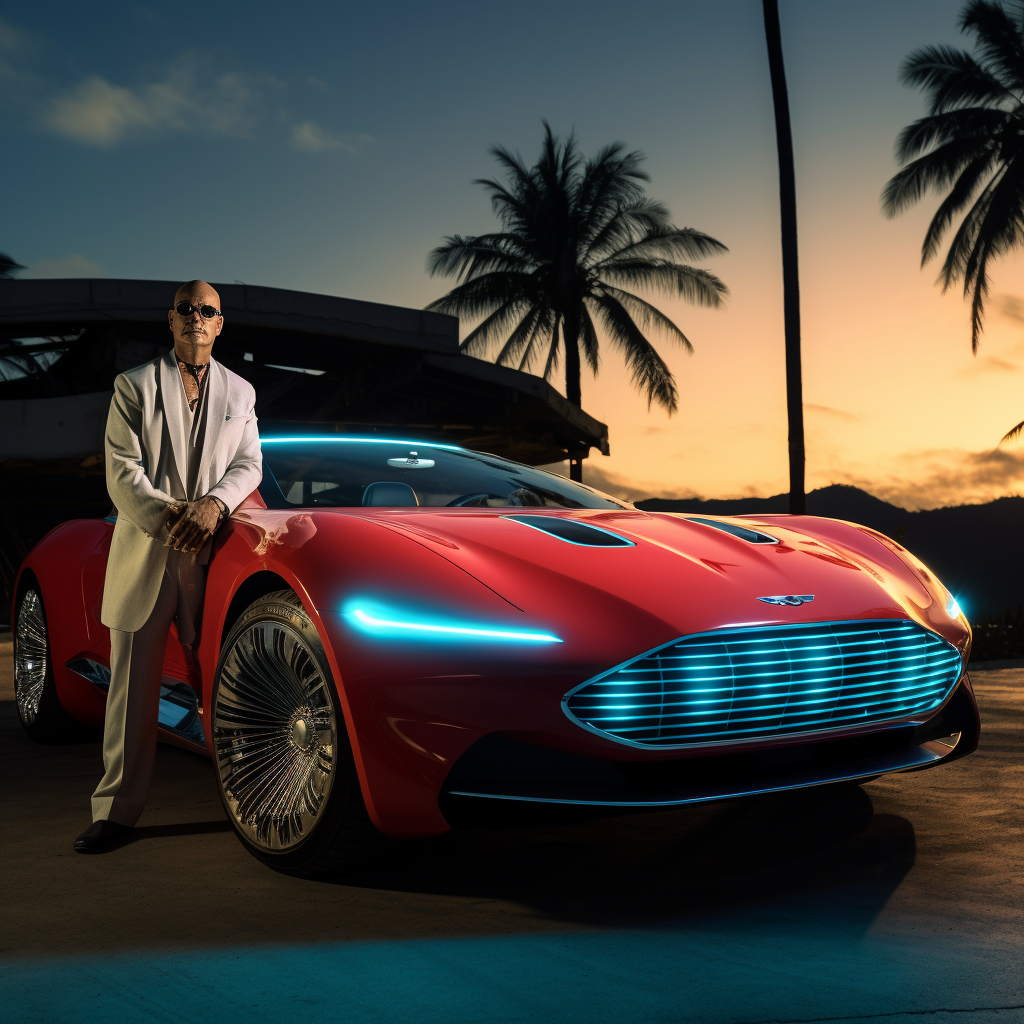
point(284, 765)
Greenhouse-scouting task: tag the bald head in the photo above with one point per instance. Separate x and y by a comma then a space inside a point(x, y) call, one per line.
point(190, 288)
point(195, 334)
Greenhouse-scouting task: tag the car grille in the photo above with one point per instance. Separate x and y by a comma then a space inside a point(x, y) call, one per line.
point(766, 681)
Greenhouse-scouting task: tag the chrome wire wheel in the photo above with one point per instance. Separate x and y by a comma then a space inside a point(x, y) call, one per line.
point(275, 735)
point(31, 657)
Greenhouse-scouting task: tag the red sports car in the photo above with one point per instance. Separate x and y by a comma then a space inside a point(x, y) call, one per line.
point(401, 637)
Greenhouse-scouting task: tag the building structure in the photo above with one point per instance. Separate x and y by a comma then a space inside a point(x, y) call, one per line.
point(319, 364)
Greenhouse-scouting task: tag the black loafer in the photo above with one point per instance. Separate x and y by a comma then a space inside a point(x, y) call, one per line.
point(102, 837)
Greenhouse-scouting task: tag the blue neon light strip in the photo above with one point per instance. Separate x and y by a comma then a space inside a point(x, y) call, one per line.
point(764, 680)
point(375, 623)
point(747, 717)
point(335, 439)
point(765, 675)
point(882, 694)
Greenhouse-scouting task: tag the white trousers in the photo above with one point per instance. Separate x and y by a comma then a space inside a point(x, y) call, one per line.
point(133, 700)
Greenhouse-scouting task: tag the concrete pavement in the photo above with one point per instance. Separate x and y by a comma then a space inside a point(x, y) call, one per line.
point(897, 900)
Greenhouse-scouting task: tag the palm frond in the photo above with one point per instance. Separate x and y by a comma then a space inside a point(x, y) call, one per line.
point(953, 78)
point(959, 196)
point(667, 242)
point(543, 327)
point(936, 170)
point(999, 228)
point(511, 203)
point(610, 182)
point(480, 338)
point(647, 369)
point(623, 226)
point(464, 257)
point(694, 284)
point(551, 363)
point(964, 239)
point(588, 341)
point(998, 40)
point(1012, 435)
point(969, 126)
point(648, 316)
point(521, 337)
point(973, 232)
point(8, 267)
point(513, 163)
point(482, 295)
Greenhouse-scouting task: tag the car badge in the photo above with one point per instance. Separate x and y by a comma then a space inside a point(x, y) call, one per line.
point(792, 600)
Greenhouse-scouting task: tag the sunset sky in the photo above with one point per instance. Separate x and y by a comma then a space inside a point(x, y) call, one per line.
point(329, 147)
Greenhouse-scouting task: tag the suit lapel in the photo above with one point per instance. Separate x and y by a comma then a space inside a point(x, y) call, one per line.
point(216, 410)
point(170, 397)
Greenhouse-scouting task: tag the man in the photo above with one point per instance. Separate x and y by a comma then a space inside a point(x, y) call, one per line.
point(182, 452)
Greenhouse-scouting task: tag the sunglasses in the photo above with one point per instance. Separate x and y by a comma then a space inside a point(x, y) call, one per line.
point(206, 312)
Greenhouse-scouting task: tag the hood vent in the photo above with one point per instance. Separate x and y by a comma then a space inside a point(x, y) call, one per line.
point(573, 532)
point(750, 536)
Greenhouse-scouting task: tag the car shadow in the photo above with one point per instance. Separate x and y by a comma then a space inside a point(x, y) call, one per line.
point(196, 828)
point(818, 853)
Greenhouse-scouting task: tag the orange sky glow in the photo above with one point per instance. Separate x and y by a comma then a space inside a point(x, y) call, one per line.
point(894, 401)
point(339, 177)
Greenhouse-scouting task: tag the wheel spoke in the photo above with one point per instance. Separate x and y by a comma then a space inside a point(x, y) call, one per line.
point(31, 657)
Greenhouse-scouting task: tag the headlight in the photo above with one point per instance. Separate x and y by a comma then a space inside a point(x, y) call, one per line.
point(378, 620)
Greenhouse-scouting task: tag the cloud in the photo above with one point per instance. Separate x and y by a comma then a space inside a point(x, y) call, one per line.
point(983, 365)
point(827, 410)
point(1010, 307)
point(75, 265)
point(619, 486)
point(98, 113)
point(12, 40)
point(939, 478)
point(933, 478)
point(309, 137)
point(187, 100)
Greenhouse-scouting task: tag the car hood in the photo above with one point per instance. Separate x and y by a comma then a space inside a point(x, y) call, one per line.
point(688, 574)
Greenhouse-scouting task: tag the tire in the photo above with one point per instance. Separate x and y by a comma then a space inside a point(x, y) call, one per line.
point(282, 757)
point(39, 709)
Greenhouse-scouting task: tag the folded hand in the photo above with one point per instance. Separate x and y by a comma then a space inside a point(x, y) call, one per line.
point(191, 524)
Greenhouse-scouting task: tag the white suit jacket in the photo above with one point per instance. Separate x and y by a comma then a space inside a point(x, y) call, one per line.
point(146, 436)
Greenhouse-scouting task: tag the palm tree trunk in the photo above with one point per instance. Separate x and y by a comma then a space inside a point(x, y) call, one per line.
point(573, 383)
point(790, 268)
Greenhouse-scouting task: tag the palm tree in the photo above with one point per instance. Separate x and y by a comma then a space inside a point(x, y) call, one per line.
point(971, 144)
point(577, 235)
point(8, 267)
point(790, 265)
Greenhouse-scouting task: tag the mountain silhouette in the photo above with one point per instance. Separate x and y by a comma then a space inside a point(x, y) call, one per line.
point(976, 550)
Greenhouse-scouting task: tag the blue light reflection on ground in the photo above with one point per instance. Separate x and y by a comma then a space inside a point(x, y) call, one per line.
point(782, 973)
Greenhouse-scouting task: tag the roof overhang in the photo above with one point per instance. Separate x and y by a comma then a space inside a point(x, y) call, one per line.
point(377, 367)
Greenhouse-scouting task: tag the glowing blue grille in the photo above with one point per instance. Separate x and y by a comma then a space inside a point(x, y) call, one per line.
point(770, 680)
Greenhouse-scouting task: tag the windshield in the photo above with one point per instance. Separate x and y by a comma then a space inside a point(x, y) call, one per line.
point(341, 472)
